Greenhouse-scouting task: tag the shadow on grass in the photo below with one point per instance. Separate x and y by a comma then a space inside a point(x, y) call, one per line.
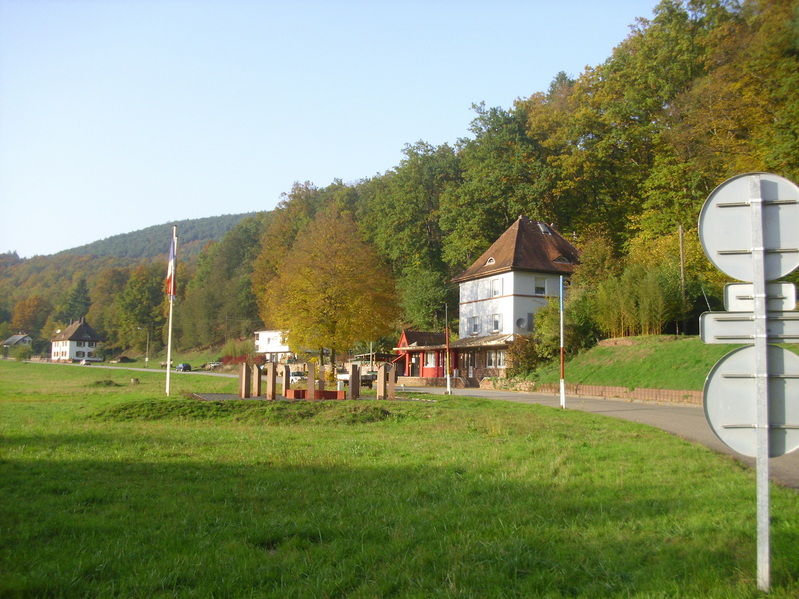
point(191, 527)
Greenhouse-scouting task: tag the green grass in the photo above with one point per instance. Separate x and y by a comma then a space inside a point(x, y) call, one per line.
point(657, 362)
point(113, 490)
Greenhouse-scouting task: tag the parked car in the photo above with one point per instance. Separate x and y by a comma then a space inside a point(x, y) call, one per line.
point(213, 365)
point(297, 377)
point(183, 367)
point(367, 378)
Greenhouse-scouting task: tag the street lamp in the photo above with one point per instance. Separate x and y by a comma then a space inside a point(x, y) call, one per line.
point(147, 348)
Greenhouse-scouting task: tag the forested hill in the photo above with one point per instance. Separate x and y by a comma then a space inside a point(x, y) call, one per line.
point(153, 241)
point(46, 279)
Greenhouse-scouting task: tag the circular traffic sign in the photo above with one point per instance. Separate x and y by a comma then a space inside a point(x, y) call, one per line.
point(730, 400)
point(725, 225)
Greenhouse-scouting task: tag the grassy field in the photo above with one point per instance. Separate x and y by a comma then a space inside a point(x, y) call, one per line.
point(656, 362)
point(109, 489)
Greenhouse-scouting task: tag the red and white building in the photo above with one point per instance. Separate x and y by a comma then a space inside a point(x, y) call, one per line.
point(499, 296)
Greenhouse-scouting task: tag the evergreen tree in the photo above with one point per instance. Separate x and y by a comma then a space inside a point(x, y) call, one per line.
point(76, 304)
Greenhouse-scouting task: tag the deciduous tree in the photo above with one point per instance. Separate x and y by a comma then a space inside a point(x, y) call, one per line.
point(140, 303)
point(30, 314)
point(295, 210)
point(332, 290)
point(502, 178)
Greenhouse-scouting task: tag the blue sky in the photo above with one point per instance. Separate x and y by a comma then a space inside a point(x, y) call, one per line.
point(116, 115)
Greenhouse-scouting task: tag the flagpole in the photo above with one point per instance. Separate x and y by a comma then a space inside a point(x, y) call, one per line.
point(169, 346)
point(562, 352)
point(171, 291)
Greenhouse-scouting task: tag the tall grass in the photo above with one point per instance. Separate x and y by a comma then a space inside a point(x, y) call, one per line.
point(117, 491)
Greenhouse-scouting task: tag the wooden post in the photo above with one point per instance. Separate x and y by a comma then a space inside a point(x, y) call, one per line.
point(286, 370)
point(354, 392)
point(392, 380)
point(244, 381)
point(256, 381)
point(271, 380)
point(311, 382)
point(382, 381)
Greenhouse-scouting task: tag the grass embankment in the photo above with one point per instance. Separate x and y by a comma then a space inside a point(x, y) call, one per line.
point(112, 490)
point(657, 362)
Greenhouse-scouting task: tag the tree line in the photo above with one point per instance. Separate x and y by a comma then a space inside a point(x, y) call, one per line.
point(619, 159)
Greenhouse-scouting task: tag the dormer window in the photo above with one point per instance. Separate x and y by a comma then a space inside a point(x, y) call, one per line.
point(490, 261)
point(562, 260)
point(544, 229)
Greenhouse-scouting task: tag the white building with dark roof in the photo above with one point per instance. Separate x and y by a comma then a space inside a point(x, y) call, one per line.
point(504, 288)
point(76, 343)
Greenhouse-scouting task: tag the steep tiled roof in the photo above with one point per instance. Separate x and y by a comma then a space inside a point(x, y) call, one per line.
point(527, 245)
point(79, 330)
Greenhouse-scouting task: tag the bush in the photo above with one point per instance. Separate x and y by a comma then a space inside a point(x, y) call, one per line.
point(21, 352)
point(522, 356)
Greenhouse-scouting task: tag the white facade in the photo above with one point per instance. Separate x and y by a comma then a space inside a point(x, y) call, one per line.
point(271, 343)
point(504, 303)
point(68, 350)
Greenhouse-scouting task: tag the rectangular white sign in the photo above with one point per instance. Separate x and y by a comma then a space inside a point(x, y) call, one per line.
point(739, 327)
point(740, 297)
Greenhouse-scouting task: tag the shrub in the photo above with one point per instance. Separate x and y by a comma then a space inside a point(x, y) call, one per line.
point(21, 352)
point(522, 356)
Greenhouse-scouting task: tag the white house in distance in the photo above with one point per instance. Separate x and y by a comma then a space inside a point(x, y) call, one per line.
point(77, 342)
point(270, 343)
point(499, 296)
point(17, 340)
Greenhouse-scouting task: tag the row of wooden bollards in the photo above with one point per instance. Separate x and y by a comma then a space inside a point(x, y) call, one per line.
point(253, 382)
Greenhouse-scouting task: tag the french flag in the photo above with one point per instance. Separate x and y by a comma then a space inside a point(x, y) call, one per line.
point(171, 282)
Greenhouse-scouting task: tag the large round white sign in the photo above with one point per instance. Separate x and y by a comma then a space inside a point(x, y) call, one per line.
point(725, 225)
point(730, 400)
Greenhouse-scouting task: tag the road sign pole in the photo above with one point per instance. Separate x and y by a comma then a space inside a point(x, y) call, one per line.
point(562, 352)
point(768, 205)
point(761, 385)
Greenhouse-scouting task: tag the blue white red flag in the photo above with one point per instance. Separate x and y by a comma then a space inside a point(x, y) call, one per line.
point(171, 282)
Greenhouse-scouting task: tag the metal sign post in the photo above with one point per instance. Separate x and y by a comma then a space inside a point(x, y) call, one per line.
point(768, 207)
point(761, 384)
point(562, 351)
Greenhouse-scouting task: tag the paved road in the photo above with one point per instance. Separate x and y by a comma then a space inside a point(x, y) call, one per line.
point(685, 421)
